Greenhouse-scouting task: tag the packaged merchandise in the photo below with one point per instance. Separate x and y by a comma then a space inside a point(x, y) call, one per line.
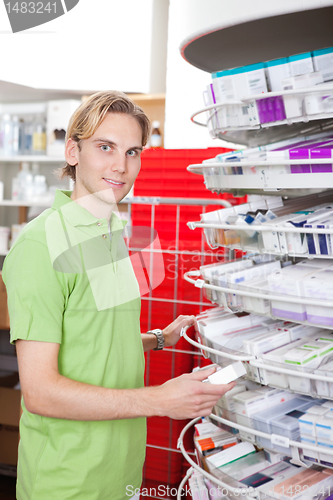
point(288, 282)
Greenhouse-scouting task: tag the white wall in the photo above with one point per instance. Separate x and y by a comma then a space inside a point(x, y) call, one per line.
point(184, 87)
point(97, 45)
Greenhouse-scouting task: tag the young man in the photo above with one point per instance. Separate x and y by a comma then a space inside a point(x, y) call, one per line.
point(74, 308)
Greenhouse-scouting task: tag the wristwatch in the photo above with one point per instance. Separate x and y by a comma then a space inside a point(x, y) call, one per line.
point(160, 338)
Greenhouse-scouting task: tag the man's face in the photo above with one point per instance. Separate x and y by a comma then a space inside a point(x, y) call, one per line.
point(109, 161)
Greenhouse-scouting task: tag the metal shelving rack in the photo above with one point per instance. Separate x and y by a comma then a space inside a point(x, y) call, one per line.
point(245, 38)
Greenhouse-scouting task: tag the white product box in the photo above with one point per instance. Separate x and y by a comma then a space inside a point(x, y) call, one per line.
point(301, 331)
point(295, 105)
point(245, 405)
point(323, 61)
point(306, 358)
point(262, 420)
point(276, 71)
point(246, 466)
point(58, 115)
point(319, 286)
point(231, 454)
point(324, 428)
point(301, 64)
point(325, 458)
point(288, 282)
point(234, 339)
point(244, 276)
point(316, 263)
point(317, 410)
point(228, 374)
point(307, 424)
point(227, 401)
point(275, 358)
point(249, 80)
point(278, 472)
point(324, 388)
point(255, 304)
point(328, 404)
point(311, 455)
point(266, 342)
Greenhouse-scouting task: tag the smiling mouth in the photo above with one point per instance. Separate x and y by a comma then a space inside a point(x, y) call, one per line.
point(114, 183)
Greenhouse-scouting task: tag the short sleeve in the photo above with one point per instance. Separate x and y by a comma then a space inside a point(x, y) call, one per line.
point(36, 293)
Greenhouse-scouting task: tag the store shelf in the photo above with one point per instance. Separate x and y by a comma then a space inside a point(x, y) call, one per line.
point(250, 41)
point(258, 245)
point(31, 158)
point(223, 292)
point(27, 203)
point(258, 134)
point(268, 372)
point(227, 483)
point(274, 439)
point(268, 176)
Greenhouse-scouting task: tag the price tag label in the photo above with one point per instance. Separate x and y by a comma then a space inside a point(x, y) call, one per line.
point(280, 440)
point(199, 283)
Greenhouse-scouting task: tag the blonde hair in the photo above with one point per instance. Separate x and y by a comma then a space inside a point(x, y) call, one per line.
point(89, 115)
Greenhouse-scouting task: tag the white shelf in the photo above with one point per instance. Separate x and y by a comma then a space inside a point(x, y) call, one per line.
point(227, 483)
point(12, 203)
point(223, 292)
point(31, 158)
point(268, 177)
point(257, 134)
point(258, 246)
point(256, 36)
point(254, 432)
point(263, 374)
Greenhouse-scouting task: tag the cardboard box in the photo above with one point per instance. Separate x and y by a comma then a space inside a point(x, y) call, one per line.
point(4, 316)
point(9, 438)
point(10, 404)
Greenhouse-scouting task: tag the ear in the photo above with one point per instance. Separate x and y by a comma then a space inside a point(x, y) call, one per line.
point(71, 152)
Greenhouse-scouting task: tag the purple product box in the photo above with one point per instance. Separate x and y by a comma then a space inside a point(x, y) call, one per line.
point(280, 113)
point(322, 151)
point(303, 153)
point(271, 109)
point(262, 110)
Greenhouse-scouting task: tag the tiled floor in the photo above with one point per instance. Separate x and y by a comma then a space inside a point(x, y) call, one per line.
point(7, 488)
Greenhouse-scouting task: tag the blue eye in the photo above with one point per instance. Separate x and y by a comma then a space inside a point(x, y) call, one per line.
point(132, 152)
point(105, 147)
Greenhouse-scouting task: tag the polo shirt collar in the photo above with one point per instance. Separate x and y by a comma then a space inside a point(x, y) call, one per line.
point(79, 216)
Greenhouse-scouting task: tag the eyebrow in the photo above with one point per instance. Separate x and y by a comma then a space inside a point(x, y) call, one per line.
point(111, 143)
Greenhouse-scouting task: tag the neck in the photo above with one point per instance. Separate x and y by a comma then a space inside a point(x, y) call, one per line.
point(93, 204)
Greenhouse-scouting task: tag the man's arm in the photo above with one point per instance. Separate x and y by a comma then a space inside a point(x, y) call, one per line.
point(47, 393)
point(171, 333)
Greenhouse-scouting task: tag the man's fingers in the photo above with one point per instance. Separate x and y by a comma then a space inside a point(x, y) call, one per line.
point(202, 374)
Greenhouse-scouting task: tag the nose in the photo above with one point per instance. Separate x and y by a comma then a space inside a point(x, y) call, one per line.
point(119, 163)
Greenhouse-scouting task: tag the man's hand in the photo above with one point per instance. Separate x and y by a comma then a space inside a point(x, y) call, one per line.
point(172, 332)
point(188, 397)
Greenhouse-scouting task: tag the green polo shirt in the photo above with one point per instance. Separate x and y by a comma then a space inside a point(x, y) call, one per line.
point(69, 280)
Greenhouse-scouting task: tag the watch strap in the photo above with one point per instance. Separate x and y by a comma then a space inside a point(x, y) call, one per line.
point(160, 338)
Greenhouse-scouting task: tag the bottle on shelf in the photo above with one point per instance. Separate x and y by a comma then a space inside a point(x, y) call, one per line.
point(15, 135)
point(156, 136)
point(39, 136)
point(6, 135)
point(22, 182)
point(27, 135)
point(21, 136)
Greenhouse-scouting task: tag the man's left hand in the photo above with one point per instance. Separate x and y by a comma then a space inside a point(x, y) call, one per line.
point(172, 332)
